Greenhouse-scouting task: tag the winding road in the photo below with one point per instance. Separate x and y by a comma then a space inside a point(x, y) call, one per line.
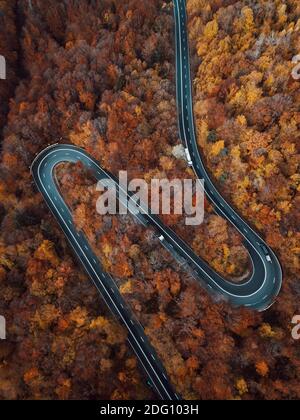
point(258, 292)
point(261, 289)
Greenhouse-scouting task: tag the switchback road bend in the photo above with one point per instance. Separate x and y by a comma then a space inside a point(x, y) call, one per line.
point(258, 292)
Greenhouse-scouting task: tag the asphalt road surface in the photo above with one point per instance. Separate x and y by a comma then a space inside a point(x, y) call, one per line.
point(261, 289)
point(257, 292)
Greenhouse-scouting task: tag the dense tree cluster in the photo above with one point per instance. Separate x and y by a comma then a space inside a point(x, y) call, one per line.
point(101, 74)
point(162, 293)
point(247, 112)
point(81, 62)
point(9, 50)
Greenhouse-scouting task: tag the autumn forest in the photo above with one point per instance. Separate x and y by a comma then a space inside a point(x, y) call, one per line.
point(100, 74)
